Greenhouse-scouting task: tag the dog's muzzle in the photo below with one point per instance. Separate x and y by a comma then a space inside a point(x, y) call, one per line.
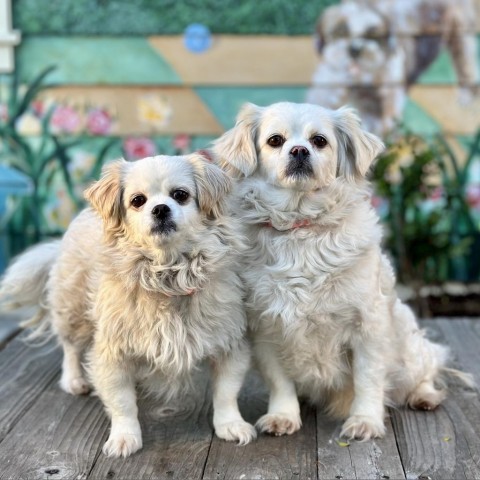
point(299, 164)
point(163, 223)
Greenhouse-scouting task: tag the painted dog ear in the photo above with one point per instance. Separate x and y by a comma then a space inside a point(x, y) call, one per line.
point(213, 185)
point(105, 195)
point(357, 149)
point(235, 149)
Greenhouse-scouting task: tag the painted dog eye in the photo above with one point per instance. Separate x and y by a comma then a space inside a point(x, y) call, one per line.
point(319, 141)
point(180, 196)
point(138, 200)
point(276, 141)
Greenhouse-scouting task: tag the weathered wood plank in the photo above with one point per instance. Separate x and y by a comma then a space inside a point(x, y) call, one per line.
point(463, 336)
point(176, 440)
point(376, 459)
point(25, 372)
point(9, 327)
point(286, 457)
point(444, 444)
point(59, 438)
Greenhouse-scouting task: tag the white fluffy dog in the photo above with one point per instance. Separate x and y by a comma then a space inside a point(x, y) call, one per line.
point(325, 320)
point(145, 284)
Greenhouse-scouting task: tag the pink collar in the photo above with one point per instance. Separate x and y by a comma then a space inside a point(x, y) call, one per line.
point(297, 224)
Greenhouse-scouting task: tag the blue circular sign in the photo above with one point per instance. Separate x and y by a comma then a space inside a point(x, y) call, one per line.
point(197, 38)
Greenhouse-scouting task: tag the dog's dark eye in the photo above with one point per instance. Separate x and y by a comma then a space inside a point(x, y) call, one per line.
point(180, 196)
point(319, 141)
point(138, 200)
point(276, 141)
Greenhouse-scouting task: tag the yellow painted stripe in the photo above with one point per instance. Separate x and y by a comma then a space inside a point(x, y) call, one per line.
point(242, 60)
point(443, 104)
point(142, 110)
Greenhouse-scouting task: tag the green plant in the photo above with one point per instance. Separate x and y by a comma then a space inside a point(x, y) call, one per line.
point(40, 157)
point(430, 230)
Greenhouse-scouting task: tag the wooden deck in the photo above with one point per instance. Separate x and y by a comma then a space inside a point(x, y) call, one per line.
point(47, 434)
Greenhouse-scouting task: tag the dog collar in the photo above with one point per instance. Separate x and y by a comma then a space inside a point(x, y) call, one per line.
point(297, 224)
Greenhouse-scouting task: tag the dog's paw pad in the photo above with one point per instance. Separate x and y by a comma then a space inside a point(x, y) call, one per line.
point(279, 424)
point(239, 431)
point(75, 386)
point(362, 427)
point(122, 445)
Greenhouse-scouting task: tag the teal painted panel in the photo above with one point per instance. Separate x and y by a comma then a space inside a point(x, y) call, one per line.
point(225, 103)
point(416, 120)
point(441, 71)
point(100, 60)
point(149, 17)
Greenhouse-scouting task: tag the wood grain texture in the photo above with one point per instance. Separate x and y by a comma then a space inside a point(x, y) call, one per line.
point(359, 460)
point(445, 443)
point(59, 438)
point(25, 372)
point(286, 457)
point(176, 439)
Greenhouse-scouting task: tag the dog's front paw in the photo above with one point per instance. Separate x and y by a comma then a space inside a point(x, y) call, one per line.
point(279, 423)
point(238, 431)
point(363, 427)
point(123, 441)
point(74, 386)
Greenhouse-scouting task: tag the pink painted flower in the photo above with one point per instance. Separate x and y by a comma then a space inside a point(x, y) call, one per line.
point(473, 196)
point(65, 119)
point(136, 148)
point(436, 194)
point(3, 112)
point(182, 142)
point(38, 108)
point(99, 122)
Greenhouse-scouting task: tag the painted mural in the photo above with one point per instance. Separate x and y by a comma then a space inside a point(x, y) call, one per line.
point(84, 92)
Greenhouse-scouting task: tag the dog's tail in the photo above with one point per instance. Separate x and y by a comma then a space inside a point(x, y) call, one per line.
point(424, 366)
point(24, 284)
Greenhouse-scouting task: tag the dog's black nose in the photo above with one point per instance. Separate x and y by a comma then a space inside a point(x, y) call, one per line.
point(161, 211)
point(354, 50)
point(299, 153)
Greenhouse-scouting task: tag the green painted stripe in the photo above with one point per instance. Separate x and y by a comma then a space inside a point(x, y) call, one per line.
point(225, 102)
point(86, 61)
point(417, 120)
point(441, 71)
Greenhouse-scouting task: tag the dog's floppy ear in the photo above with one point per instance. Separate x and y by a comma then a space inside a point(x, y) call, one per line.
point(213, 185)
point(236, 150)
point(105, 195)
point(357, 149)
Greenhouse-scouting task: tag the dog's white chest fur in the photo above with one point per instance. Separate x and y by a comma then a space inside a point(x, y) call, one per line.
point(304, 282)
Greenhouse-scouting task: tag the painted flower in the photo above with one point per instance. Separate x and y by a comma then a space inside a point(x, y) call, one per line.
point(80, 164)
point(60, 210)
point(99, 122)
point(28, 124)
point(136, 148)
point(182, 142)
point(38, 108)
point(3, 112)
point(154, 110)
point(65, 119)
point(380, 204)
point(473, 196)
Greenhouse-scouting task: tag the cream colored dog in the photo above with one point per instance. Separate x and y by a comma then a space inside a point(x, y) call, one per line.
point(325, 320)
point(144, 283)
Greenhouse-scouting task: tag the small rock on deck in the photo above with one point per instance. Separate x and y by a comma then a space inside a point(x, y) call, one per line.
point(47, 434)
